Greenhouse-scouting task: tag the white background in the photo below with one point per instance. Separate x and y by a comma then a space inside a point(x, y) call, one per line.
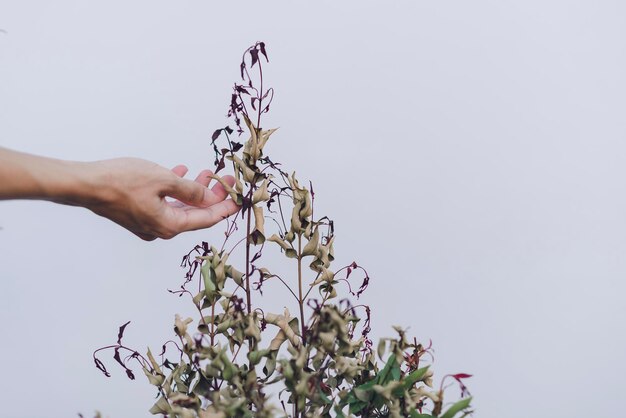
point(471, 153)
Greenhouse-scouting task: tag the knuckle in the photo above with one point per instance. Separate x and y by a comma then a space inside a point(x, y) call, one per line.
point(197, 193)
point(193, 195)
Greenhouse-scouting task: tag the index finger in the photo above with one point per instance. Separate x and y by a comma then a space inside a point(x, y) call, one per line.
point(200, 218)
point(195, 193)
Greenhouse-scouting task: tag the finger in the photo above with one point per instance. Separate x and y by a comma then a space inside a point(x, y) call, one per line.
point(180, 170)
point(199, 218)
point(187, 191)
point(204, 178)
point(194, 193)
point(218, 191)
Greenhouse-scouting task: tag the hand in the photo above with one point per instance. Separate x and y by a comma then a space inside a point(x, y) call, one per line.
point(132, 192)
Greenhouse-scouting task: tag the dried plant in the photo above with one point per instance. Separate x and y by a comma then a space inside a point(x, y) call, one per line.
point(239, 360)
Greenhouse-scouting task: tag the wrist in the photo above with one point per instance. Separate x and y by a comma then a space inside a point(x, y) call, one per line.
point(78, 184)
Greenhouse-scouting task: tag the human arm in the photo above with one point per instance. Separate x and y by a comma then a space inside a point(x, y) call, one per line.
point(128, 191)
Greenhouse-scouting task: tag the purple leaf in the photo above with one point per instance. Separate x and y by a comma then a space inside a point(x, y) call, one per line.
point(364, 285)
point(101, 367)
point(262, 46)
point(256, 257)
point(120, 333)
point(117, 358)
point(220, 165)
point(254, 53)
point(241, 89)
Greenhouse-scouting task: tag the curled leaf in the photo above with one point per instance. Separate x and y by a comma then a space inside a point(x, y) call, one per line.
point(258, 234)
point(261, 194)
point(237, 197)
point(311, 247)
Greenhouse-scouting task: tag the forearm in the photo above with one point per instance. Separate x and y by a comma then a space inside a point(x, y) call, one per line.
point(128, 191)
point(26, 176)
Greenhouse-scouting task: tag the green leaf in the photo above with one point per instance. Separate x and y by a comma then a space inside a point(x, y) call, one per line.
point(360, 395)
point(325, 398)
point(348, 400)
point(363, 394)
point(367, 385)
point(229, 371)
point(256, 356)
point(456, 408)
point(339, 412)
point(357, 406)
point(414, 377)
point(378, 401)
point(415, 414)
point(381, 348)
point(208, 274)
point(383, 377)
point(395, 372)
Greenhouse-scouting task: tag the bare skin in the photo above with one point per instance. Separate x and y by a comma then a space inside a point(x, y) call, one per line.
point(129, 191)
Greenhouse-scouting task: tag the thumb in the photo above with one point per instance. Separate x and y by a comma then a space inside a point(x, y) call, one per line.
point(189, 192)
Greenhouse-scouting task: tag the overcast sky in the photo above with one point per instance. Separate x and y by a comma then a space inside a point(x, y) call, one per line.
point(472, 154)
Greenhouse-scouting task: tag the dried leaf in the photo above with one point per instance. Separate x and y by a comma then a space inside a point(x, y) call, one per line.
point(237, 198)
point(161, 407)
point(261, 194)
point(258, 235)
point(311, 247)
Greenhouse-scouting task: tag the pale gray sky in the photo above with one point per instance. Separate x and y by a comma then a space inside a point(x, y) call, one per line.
point(472, 154)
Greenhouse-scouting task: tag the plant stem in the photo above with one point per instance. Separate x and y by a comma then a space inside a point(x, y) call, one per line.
point(248, 290)
point(300, 298)
point(212, 323)
point(258, 122)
